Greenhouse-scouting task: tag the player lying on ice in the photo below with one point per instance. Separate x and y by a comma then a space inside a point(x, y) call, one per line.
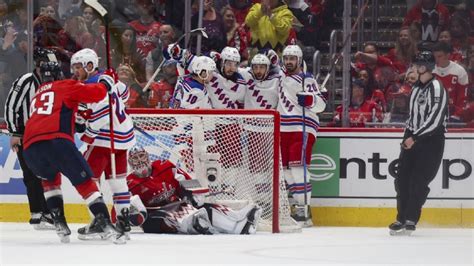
point(166, 200)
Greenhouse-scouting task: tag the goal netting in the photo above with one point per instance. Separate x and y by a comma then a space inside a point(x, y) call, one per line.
point(234, 152)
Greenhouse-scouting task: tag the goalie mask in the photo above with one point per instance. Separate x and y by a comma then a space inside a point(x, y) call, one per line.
point(139, 161)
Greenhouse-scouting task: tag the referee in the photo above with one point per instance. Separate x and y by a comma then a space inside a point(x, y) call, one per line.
point(17, 107)
point(422, 146)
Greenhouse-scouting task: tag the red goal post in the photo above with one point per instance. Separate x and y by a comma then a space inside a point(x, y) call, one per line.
point(235, 152)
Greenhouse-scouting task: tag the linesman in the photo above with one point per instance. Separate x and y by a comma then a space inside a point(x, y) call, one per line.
point(422, 146)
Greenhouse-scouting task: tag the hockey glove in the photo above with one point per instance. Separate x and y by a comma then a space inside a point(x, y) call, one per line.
point(107, 80)
point(82, 116)
point(173, 51)
point(306, 99)
point(273, 56)
point(215, 56)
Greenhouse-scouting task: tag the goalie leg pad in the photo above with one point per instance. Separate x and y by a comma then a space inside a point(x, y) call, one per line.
point(228, 221)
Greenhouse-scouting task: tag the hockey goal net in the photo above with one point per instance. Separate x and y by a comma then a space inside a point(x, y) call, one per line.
point(234, 152)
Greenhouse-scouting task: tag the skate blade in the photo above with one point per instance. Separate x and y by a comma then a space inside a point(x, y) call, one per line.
point(43, 227)
point(401, 232)
point(120, 239)
point(64, 238)
point(96, 236)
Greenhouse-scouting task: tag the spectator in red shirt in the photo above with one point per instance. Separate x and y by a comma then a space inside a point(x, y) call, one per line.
point(146, 27)
point(162, 91)
point(236, 34)
point(404, 51)
point(361, 110)
point(433, 17)
point(138, 98)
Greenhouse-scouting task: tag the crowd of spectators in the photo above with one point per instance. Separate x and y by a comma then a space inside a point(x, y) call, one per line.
point(141, 29)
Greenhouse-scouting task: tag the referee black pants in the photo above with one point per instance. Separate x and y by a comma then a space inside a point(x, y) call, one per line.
point(34, 189)
point(417, 168)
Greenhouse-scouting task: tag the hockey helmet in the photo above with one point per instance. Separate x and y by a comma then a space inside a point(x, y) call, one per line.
point(230, 54)
point(139, 161)
point(293, 50)
point(203, 63)
point(41, 54)
point(84, 57)
point(425, 58)
point(50, 71)
point(260, 59)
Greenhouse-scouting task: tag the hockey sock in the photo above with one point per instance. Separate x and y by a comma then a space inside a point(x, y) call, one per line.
point(297, 185)
point(121, 195)
point(53, 193)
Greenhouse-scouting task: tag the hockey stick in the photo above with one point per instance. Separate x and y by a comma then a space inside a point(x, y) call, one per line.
point(338, 55)
point(197, 31)
point(305, 178)
point(104, 14)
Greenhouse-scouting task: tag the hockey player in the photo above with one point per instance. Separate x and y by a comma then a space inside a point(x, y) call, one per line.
point(299, 102)
point(49, 147)
point(162, 197)
point(190, 91)
point(262, 88)
point(84, 65)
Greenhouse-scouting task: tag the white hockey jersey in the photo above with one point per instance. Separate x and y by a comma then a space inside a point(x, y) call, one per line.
point(190, 94)
point(227, 93)
point(262, 94)
point(98, 123)
point(291, 112)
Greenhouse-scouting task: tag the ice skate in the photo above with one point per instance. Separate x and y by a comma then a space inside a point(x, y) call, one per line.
point(253, 217)
point(123, 223)
point(302, 215)
point(109, 231)
point(410, 227)
point(91, 231)
point(62, 230)
point(41, 221)
point(397, 228)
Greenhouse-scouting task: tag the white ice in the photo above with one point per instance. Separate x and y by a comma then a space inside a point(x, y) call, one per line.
point(20, 244)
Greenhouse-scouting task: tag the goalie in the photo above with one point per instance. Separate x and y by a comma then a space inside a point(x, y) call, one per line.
point(167, 200)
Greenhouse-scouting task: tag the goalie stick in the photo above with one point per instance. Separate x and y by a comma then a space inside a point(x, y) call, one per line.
point(197, 31)
point(94, 4)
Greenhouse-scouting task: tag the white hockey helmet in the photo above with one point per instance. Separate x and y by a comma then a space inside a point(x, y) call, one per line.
point(293, 50)
point(203, 63)
point(84, 57)
point(261, 59)
point(230, 54)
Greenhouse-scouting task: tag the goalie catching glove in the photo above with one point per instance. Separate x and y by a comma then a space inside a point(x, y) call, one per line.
point(306, 99)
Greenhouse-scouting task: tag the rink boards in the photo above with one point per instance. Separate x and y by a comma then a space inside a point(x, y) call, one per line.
point(351, 172)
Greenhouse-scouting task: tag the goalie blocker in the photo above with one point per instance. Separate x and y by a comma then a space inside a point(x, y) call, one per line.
point(167, 200)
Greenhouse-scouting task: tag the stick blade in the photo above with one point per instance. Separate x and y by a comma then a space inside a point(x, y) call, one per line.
point(201, 31)
point(97, 7)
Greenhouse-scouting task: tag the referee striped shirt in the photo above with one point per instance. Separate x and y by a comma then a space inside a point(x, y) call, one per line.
point(21, 94)
point(428, 109)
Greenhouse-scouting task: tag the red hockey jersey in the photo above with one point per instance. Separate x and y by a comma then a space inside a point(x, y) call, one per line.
point(455, 80)
point(160, 188)
point(147, 36)
point(53, 110)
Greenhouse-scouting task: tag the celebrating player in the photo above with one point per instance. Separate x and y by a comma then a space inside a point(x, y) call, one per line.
point(165, 200)
point(262, 88)
point(49, 147)
point(84, 65)
point(299, 102)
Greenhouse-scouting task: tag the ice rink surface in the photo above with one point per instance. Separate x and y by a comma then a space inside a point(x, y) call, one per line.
point(20, 244)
